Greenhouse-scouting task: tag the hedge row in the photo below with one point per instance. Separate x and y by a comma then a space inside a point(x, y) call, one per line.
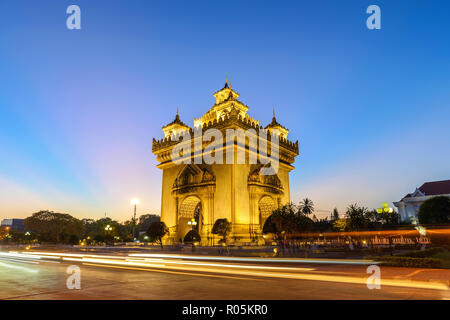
point(422, 253)
point(396, 261)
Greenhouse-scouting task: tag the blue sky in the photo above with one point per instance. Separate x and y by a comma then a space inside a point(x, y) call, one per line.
point(79, 108)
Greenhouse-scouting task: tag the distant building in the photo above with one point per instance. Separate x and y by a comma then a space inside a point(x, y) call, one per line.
point(408, 206)
point(14, 224)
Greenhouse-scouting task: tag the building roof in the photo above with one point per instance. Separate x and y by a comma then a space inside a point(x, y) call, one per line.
point(226, 112)
point(177, 121)
point(226, 93)
point(436, 188)
point(274, 123)
point(226, 86)
point(432, 188)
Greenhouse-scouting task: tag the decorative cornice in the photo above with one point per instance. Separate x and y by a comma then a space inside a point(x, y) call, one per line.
point(230, 120)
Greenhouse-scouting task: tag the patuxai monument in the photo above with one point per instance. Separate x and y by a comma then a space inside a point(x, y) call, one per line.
point(227, 166)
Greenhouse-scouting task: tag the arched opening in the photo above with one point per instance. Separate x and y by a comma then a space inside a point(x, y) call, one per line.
point(190, 208)
point(266, 207)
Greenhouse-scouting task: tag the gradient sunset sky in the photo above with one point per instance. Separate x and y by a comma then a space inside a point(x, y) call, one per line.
point(79, 108)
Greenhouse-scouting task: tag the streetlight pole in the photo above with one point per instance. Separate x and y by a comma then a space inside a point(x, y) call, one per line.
point(385, 208)
point(107, 229)
point(192, 223)
point(28, 234)
point(134, 221)
point(134, 202)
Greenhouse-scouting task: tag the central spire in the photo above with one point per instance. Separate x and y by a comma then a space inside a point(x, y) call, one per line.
point(226, 93)
point(177, 117)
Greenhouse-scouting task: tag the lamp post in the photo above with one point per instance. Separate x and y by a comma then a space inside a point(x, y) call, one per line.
point(385, 208)
point(192, 223)
point(28, 234)
point(134, 202)
point(107, 229)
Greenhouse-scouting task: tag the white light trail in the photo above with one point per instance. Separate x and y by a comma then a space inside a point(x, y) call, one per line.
point(282, 260)
point(173, 262)
point(7, 265)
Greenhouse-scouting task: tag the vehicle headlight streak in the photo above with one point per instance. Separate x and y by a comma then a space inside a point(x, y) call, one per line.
point(228, 265)
point(21, 268)
point(209, 266)
point(265, 260)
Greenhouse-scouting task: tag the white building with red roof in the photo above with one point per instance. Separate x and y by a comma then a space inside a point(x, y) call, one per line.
point(408, 206)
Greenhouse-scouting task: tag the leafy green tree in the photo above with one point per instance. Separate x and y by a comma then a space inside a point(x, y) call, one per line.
point(222, 227)
point(435, 210)
point(126, 230)
point(145, 220)
point(390, 218)
point(3, 232)
point(377, 219)
point(18, 236)
point(301, 223)
point(55, 227)
point(156, 231)
point(97, 229)
point(279, 223)
point(323, 225)
point(89, 227)
point(306, 206)
point(287, 220)
point(191, 237)
point(356, 217)
point(340, 224)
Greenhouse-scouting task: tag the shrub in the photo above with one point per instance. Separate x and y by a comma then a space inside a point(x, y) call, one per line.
point(396, 261)
point(421, 253)
point(435, 210)
point(191, 237)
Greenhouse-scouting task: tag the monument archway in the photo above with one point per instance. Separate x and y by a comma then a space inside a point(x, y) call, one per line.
point(190, 208)
point(193, 192)
point(226, 190)
point(266, 206)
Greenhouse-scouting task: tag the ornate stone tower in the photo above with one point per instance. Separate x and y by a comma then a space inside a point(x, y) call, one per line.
point(204, 191)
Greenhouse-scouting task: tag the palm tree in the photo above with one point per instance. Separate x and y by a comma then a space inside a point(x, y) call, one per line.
point(306, 206)
point(335, 214)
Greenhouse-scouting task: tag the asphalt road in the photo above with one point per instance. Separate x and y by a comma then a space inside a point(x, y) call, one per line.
point(167, 278)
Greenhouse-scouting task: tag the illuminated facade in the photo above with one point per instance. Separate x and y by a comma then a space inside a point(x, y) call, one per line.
point(236, 191)
point(409, 205)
